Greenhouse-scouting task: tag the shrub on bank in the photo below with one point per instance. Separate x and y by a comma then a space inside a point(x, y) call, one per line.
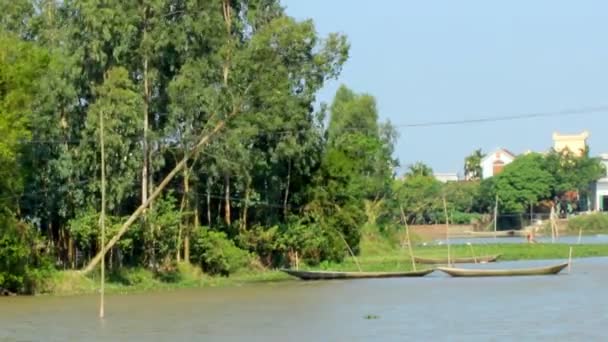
point(217, 254)
point(592, 223)
point(23, 266)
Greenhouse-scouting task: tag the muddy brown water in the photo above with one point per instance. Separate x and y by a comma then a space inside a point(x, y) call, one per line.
point(566, 307)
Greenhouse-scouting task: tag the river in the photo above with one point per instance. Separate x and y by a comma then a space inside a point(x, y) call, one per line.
point(570, 307)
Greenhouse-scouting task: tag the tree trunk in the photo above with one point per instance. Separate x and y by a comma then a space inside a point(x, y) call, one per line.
point(246, 205)
point(189, 232)
point(227, 213)
point(209, 202)
point(182, 206)
point(184, 222)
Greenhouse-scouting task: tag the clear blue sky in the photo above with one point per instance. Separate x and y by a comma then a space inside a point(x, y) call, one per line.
point(450, 60)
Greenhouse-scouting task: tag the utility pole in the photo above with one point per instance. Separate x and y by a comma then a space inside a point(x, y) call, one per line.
point(102, 216)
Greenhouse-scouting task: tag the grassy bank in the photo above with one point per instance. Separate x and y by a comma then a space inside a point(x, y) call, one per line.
point(398, 260)
point(136, 280)
point(378, 253)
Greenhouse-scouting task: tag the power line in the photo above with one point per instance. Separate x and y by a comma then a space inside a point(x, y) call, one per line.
point(486, 119)
point(586, 110)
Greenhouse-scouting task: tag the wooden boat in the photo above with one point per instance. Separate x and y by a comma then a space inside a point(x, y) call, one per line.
point(468, 272)
point(480, 259)
point(322, 275)
point(500, 233)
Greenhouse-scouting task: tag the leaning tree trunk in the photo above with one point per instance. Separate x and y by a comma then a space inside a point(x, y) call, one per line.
point(227, 213)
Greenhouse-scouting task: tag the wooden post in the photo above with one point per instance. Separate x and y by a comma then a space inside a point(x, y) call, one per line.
point(570, 261)
point(552, 222)
point(297, 261)
point(472, 252)
point(447, 229)
point(495, 216)
point(102, 216)
point(409, 241)
point(580, 234)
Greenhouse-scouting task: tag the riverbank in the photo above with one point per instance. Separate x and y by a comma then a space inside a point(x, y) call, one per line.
point(400, 260)
point(381, 259)
point(136, 280)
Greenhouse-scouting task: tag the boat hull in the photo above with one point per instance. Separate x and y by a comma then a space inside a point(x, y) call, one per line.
point(463, 272)
point(480, 259)
point(500, 233)
point(327, 275)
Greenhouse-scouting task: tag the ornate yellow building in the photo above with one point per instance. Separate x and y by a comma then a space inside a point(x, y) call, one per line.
point(576, 143)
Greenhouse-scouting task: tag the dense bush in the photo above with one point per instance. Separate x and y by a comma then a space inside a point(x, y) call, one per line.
point(593, 223)
point(216, 254)
point(23, 267)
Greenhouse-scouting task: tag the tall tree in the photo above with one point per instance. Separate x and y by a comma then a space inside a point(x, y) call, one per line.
point(523, 183)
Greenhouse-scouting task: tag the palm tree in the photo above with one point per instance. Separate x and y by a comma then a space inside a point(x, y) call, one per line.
point(472, 165)
point(419, 169)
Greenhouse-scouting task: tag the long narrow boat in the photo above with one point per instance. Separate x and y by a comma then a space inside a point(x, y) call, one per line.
point(323, 275)
point(480, 259)
point(500, 233)
point(468, 272)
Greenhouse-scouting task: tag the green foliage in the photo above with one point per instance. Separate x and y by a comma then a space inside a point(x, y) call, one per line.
point(21, 67)
point(572, 172)
point(593, 223)
point(419, 169)
point(462, 196)
point(23, 267)
point(420, 196)
point(217, 254)
point(523, 183)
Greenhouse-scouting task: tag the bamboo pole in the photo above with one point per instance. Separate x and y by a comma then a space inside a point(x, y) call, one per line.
point(447, 229)
point(570, 261)
point(102, 216)
point(495, 216)
point(409, 241)
point(472, 252)
point(202, 142)
point(350, 251)
point(552, 222)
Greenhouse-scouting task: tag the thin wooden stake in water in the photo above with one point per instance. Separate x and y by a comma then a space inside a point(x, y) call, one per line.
point(409, 241)
point(580, 234)
point(447, 229)
point(495, 217)
point(102, 216)
point(570, 261)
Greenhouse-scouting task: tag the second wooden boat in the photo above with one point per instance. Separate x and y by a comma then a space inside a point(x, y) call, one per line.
point(469, 272)
point(323, 275)
point(435, 261)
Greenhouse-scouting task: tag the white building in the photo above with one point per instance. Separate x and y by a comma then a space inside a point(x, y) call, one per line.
point(446, 177)
point(599, 190)
point(493, 163)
